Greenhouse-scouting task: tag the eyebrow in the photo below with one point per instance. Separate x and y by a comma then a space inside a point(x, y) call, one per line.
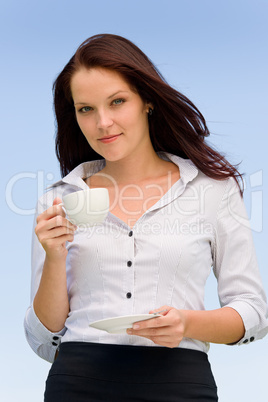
point(109, 97)
point(116, 93)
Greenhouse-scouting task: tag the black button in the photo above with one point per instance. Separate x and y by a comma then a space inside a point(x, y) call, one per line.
point(54, 344)
point(129, 263)
point(245, 341)
point(130, 233)
point(128, 295)
point(55, 338)
point(252, 339)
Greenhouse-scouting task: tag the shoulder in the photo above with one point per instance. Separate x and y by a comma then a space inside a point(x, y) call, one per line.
point(212, 196)
point(220, 188)
point(196, 182)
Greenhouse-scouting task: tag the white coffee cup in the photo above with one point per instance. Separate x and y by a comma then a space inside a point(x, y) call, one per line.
point(87, 207)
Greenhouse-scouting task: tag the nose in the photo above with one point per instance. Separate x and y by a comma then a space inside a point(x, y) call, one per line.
point(104, 119)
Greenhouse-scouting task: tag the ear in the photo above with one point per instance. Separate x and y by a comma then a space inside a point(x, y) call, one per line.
point(149, 108)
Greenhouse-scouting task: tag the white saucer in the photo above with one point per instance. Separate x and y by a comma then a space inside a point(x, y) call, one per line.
point(118, 325)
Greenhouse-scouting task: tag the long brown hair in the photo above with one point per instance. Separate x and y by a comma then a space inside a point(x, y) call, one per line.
point(176, 125)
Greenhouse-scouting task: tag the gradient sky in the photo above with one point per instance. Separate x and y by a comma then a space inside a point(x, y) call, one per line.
point(215, 52)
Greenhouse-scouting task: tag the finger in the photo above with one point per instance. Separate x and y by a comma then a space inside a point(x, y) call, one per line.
point(166, 338)
point(152, 323)
point(58, 232)
point(50, 213)
point(160, 310)
point(53, 228)
point(61, 233)
point(56, 244)
point(60, 221)
point(53, 243)
point(45, 226)
point(57, 201)
point(149, 332)
point(163, 340)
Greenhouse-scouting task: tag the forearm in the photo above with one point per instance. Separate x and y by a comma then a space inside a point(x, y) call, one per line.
point(51, 303)
point(223, 325)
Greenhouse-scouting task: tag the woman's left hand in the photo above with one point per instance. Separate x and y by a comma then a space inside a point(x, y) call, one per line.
point(167, 330)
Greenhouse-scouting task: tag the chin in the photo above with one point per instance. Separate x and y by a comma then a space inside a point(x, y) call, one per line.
point(113, 156)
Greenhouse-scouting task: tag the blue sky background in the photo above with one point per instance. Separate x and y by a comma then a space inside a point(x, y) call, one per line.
point(215, 52)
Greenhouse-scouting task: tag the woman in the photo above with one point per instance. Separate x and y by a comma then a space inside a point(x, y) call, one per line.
point(176, 210)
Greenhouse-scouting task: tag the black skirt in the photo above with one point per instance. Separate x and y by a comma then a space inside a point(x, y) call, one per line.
point(91, 372)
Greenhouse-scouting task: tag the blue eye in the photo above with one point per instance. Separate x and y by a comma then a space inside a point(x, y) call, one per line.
point(118, 101)
point(85, 109)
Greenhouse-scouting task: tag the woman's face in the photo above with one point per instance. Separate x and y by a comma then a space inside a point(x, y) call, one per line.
point(112, 117)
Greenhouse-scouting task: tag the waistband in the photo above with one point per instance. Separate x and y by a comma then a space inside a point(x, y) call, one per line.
point(140, 364)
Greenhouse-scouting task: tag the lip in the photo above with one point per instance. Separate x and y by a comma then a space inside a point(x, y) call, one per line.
point(109, 138)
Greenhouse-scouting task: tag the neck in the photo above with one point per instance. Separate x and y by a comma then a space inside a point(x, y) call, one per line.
point(135, 168)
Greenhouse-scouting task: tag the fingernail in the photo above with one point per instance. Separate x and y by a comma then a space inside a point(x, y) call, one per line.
point(136, 326)
point(129, 331)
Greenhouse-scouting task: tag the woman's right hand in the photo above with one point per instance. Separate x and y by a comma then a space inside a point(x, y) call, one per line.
point(54, 230)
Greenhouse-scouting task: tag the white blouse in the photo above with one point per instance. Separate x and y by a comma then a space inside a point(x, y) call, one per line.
point(165, 259)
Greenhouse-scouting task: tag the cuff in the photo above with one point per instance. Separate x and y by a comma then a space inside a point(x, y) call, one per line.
point(43, 342)
point(251, 319)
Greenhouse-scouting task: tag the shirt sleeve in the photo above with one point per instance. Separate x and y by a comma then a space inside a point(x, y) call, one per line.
point(236, 267)
point(43, 342)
